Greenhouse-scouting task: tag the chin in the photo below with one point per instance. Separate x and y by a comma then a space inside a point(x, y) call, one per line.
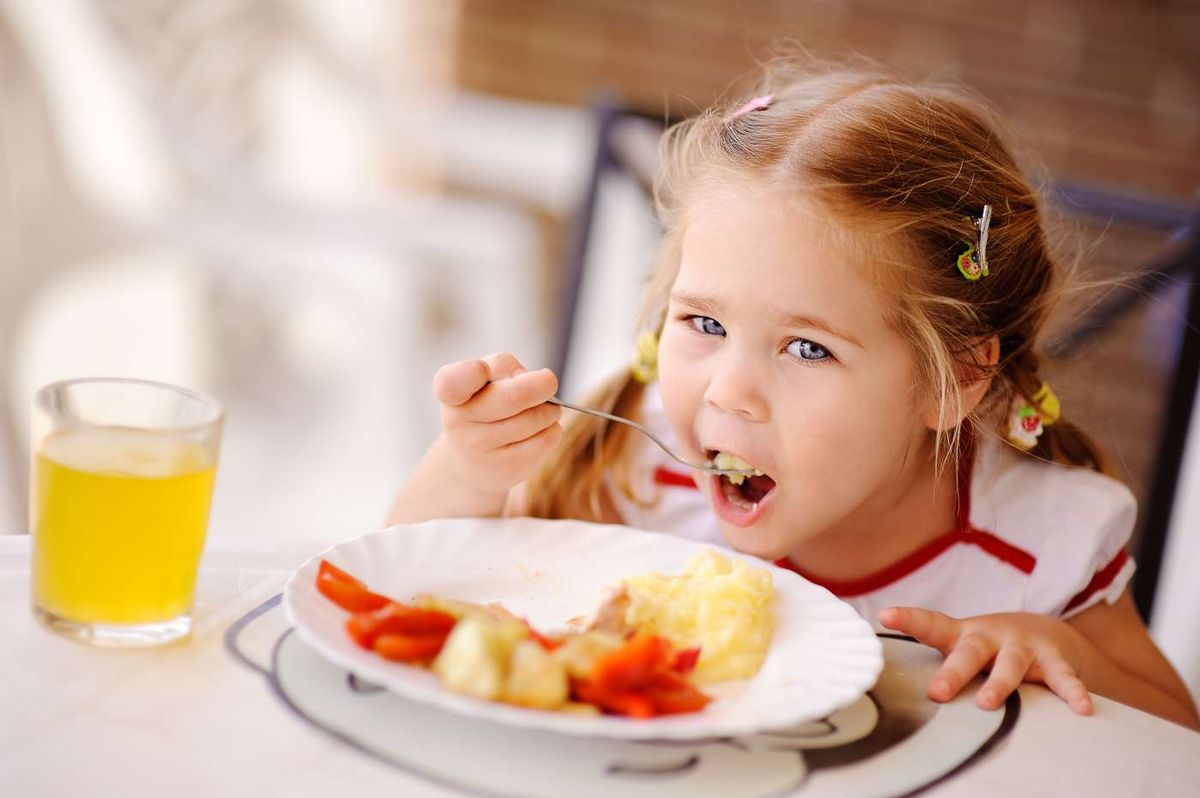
point(757, 540)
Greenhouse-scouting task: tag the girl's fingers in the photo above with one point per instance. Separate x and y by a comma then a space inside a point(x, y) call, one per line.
point(508, 396)
point(1012, 663)
point(1060, 677)
point(526, 424)
point(502, 365)
point(969, 656)
point(456, 383)
point(931, 628)
point(533, 448)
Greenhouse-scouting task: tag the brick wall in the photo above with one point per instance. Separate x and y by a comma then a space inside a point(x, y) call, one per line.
point(1105, 90)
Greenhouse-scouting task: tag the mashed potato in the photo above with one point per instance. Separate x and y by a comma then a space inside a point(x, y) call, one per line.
point(724, 607)
point(729, 462)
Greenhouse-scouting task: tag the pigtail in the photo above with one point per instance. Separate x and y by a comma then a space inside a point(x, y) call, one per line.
point(1062, 441)
point(571, 483)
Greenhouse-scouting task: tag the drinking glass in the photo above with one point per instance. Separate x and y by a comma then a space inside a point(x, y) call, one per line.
point(121, 484)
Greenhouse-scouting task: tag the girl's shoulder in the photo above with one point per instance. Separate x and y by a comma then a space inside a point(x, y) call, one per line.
point(1074, 523)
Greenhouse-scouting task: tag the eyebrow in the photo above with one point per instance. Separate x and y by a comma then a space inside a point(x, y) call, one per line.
point(785, 319)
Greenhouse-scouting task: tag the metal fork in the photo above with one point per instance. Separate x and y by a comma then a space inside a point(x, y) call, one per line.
point(709, 467)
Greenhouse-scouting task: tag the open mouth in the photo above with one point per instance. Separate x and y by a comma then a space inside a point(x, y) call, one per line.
point(744, 494)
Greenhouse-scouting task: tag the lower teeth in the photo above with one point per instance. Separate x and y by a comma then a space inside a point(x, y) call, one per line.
point(734, 494)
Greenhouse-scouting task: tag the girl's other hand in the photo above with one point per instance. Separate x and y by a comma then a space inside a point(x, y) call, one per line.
point(496, 420)
point(1015, 647)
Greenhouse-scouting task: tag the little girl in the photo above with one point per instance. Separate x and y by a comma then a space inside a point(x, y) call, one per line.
point(852, 283)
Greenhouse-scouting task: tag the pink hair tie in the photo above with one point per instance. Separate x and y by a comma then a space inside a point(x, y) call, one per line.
point(757, 104)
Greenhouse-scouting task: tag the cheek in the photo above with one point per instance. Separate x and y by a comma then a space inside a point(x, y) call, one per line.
point(887, 406)
point(883, 417)
point(855, 426)
point(681, 385)
point(674, 375)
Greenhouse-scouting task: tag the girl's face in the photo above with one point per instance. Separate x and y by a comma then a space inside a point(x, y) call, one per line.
point(776, 350)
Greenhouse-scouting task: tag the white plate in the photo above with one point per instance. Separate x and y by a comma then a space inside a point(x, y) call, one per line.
point(823, 655)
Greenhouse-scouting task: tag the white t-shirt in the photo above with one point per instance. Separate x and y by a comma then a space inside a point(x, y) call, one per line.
point(1032, 536)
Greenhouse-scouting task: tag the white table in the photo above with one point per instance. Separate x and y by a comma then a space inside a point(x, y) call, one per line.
point(189, 719)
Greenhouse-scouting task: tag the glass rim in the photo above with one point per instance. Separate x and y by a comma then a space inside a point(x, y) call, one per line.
point(217, 411)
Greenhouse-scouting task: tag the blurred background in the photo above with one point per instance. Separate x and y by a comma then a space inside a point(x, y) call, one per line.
point(305, 207)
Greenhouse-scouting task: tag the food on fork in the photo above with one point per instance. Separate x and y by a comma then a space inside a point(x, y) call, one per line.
point(740, 495)
point(637, 657)
point(731, 462)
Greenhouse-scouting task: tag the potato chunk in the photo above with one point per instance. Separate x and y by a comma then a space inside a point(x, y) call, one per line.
point(535, 678)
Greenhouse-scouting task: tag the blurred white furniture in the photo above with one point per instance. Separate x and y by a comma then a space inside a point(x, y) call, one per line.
point(1174, 622)
point(614, 254)
point(298, 287)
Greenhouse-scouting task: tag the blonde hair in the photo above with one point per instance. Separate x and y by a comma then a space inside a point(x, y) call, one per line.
point(904, 166)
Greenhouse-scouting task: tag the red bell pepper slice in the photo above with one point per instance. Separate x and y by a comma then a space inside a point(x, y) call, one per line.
point(685, 660)
point(328, 570)
point(633, 705)
point(351, 598)
point(409, 648)
point(632, 665)
point(628, 703)
point(643, 678)
point(671, 694)
point(394, 618)
point(345, 591)
point(547, 643)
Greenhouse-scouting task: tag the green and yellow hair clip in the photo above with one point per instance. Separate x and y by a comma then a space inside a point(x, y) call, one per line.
point(973, 262)
point(645, 358)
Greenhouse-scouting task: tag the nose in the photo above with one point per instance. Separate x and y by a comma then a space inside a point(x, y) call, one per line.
point(735, 387)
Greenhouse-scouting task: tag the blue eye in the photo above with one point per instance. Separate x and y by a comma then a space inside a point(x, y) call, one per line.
point(706, 325)
point(807, 350)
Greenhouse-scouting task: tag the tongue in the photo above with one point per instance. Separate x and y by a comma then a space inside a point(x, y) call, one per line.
point(754, 488)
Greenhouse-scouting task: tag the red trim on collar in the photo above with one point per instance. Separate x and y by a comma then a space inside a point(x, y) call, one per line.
point(1000, 549)
point(665, 476)
point(1100, 580)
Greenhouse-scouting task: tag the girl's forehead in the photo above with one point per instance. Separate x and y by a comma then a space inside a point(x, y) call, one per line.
point(777, 247)
point(783, 222)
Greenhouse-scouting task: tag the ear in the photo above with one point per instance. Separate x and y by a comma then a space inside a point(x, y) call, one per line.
point(974, 379)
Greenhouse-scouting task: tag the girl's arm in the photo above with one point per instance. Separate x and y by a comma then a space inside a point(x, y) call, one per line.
point(1105, 648)
point(1131, 669)
point(432, 491)
point(497, 428)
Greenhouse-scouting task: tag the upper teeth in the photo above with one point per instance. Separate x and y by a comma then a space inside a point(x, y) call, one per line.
point(730, 462)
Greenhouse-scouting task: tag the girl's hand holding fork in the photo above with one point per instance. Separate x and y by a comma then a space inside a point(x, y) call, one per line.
point(496, 428)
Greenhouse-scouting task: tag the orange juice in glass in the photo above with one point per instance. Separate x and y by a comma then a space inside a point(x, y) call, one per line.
point(122, 479)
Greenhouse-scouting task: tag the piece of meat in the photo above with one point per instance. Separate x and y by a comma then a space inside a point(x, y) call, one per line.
point(610, 615)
